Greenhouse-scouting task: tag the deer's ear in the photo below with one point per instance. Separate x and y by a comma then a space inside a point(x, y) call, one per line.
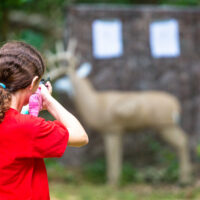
point(84, 70)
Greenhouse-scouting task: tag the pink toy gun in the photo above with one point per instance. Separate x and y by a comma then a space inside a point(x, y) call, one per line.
point(35, 100)
point(35, 103)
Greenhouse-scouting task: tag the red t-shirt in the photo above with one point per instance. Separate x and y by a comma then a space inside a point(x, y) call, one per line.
point(24, 142)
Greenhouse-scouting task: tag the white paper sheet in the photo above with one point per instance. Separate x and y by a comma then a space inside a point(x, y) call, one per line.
point(164, 39)
point(107, 38)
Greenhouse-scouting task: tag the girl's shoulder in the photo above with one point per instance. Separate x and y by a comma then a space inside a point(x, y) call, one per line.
point(22, 120)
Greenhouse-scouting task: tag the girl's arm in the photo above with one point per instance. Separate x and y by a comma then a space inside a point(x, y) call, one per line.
point(77, 135)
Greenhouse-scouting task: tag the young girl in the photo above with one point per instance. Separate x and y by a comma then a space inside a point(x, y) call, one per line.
point(26, 140)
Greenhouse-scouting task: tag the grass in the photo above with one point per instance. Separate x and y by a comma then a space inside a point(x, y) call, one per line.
point(70, 184)
point(89, 183)
point(65, 191)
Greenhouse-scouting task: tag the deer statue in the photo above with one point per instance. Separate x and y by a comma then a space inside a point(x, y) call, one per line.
point(112, 113)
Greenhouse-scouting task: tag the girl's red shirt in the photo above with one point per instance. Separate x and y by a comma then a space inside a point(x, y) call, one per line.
point(24, 142)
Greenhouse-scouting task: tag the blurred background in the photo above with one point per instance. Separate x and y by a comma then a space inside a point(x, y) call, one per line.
point(137, 62)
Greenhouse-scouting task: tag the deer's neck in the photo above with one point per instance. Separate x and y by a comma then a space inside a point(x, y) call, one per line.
point(85, 96)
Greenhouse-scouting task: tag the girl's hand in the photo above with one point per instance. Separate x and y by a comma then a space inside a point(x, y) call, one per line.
point(46, 91)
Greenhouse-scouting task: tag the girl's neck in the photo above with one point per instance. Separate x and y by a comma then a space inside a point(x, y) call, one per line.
point(18, 100)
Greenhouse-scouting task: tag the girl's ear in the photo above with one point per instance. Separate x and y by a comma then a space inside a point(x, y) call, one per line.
point(34, 83)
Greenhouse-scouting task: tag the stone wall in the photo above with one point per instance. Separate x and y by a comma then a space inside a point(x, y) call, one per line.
point(136, 69)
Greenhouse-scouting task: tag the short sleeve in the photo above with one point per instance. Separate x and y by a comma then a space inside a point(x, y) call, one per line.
point(49, 138)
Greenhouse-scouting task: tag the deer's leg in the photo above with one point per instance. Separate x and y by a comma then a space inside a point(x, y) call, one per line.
point(113, 150)
point(175, 136)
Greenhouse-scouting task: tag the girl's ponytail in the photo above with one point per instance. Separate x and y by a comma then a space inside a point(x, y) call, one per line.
point(5, 101)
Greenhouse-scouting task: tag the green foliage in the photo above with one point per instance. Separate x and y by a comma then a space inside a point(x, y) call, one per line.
point(181, 2)
point(12, 4)
point(167, 2)
point(171, 172)
point(198, 150)
point(157, 175)
point(161, 152)
point(50, 162)
point(95, 172)
point(167, 161)
point(50, 8)
point(164, 167)
point(53, 8)
point(129, 174)
point(34, 38)
point(150, 174)
point(58, 172)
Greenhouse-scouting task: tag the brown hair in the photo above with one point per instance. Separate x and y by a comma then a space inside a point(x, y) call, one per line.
point(19, 63)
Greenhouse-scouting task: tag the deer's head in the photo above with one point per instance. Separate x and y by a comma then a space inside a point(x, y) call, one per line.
point(63, 63)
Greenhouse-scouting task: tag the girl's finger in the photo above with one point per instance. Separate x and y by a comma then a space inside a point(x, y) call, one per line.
point(49, 86)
